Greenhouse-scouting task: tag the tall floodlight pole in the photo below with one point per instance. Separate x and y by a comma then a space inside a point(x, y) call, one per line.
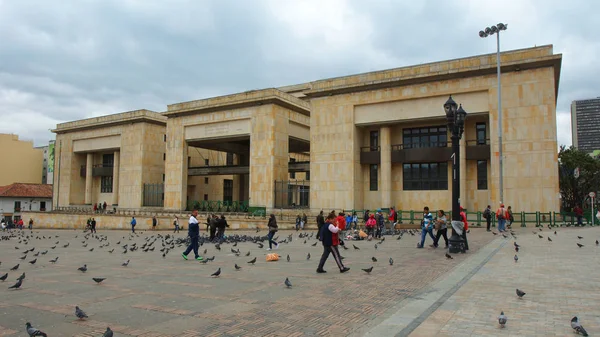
point(485, 33)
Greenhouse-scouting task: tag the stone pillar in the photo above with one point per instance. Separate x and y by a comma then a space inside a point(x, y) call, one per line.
point(115, 190)
point(386, 166)
point(243, 179)
point(270, 151)
point(88, 178)
point(176, 166)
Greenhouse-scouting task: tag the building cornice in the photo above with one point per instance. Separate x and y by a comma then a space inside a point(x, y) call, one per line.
point(137, 116)
point(240, 100)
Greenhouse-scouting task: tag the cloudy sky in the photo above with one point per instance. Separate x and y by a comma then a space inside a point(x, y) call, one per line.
point(72, 59)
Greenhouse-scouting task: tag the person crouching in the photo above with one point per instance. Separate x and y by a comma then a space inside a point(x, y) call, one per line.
point(330, 242)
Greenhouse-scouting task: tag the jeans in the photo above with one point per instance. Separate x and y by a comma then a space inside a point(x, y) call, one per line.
point(133, 228)
point(441, 233)
point(501, 225)
point(580, 220)
point(424, 233)
point(489, 223)
point(270, 238)
point(333, 250)
point(176, 229)
point(193, 246)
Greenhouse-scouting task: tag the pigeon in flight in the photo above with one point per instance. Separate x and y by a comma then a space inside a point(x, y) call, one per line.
point(368, 270)
point(31, 331)
point(98, 279)
point(287, 282)
point(502, 319)
point(217, 273)
point(83, 269)
point(578, 327)
point(520, 293)
point(79, 313)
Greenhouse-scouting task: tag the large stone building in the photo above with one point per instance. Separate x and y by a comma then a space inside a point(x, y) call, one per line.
point(364, 141)
point(21, 162)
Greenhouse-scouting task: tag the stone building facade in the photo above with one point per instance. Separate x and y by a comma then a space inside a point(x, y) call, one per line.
point(364, 141)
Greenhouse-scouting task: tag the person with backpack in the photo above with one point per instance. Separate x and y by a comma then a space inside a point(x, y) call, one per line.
point(501, 215)
point(487, 215)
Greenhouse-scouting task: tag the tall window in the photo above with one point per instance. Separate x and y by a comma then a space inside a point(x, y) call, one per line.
point(435, 136)
point(482, 175)
point(42, 206)
point(206, 180)
point(206, 162)
point(307, 175)
point(481, 130)
point(206, 197)
point(229, 160)
point(373, 178)
point(374, 140)
point(425, 176)
point(17, 206)
point(106, 184)
point(108, 160)
point(293, 174)
point(228, 190)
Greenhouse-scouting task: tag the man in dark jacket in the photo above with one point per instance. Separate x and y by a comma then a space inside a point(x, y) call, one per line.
point(320, 223)
point(221, 224)
point(330, 245)
point(212, 224)
point(193, 233)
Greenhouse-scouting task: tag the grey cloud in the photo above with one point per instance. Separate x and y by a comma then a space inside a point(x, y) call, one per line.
point(63, 62)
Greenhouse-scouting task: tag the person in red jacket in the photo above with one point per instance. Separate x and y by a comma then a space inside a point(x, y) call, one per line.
point(463, 218)
point(340, 223)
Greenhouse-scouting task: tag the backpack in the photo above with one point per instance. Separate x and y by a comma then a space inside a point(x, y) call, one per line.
point(501, 215)
point(486, 213)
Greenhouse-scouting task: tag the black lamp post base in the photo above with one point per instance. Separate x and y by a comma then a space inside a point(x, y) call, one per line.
point(456, 244)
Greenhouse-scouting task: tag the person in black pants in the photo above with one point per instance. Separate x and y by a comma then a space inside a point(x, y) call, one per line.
point(443, 231)
point(487, 214)
point(272, 224)
point(194, 233)
point(93, 223)
point(330, 241)
point(221, 225)
point(212, 224)
point(320, 223)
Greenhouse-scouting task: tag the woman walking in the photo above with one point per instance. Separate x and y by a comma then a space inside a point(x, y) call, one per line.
point(442, 229)
point(272, 230)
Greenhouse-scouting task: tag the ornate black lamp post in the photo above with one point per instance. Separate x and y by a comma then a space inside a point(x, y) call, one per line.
point(455, 117)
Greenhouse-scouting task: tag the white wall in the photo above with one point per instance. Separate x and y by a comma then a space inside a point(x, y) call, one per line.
point(7, 205)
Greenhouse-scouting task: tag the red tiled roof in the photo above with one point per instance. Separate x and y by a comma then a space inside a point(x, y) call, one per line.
point(18, 190)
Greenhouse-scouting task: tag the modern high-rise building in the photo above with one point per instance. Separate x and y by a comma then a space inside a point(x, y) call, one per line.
point(585, 124)
point(48, 163)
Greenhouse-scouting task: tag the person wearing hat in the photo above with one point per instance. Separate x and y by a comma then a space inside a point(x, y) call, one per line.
point(501, 215)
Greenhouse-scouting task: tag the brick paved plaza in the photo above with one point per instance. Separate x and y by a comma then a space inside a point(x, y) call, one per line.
point(423, 293)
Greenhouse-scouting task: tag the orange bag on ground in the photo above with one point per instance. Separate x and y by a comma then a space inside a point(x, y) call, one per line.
point(272, 257)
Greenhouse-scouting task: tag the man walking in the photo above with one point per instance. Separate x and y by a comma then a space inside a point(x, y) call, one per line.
point(193, 233)
point(133, 223)
point(93, 222)
point(154, 223)
point(330, 243)
point(501, 215)
point(487, 215)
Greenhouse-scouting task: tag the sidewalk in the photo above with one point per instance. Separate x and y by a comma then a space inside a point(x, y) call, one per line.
point(560, 279)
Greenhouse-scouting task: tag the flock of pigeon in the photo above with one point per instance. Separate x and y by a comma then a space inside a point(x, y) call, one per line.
point(502, 319)
point(169, 242)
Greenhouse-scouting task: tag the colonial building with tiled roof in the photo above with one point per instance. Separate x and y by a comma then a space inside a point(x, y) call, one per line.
point(18, 197)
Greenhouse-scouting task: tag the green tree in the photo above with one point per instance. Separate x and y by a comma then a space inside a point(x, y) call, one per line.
point(573, 190)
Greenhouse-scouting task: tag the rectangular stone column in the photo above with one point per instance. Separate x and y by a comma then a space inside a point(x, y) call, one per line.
point(386, 166)
point(88, 178)
point(176, 166)
point(115, 190)
point(269, 149)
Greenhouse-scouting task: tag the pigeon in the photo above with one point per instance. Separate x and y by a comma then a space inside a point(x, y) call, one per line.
point(308, 257)
point(555, 233)
point(579, 237)
point(260, 245)
point(368, 270)
point(36, 254)
point(597, 242)
point(540, 236)
point(516, 258)
point(33, 261)
point(108, 333)
point(112, 250)
point(549, 239)
point(314, 244)
point(375, 246)
point(355, 247)
point(31, 331)
point(79, 313)
point(577, 326)
point(253, 261)
point(516, 249)
point(125, 264)
point(448, 256)
point(92, 249)
point(3, 277)
point(345, 248)
point(54, 261)
point(98, 279)
point(217, 273)
point(23, 257)
point(17, 285)
point(502, 319)
point(520, 293)
point(374, 259)
point(237, 267)
point(494, 233)
point(579, 244)
point(248, 253)
point(288, 258)
point(391, 262)
point(15, 267)
point(22, 277)
point(515, 244)
point(287, 282)
point(83, 269)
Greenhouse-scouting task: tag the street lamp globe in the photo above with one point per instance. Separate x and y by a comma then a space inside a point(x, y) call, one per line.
point(461, 115)
point(450, 106)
